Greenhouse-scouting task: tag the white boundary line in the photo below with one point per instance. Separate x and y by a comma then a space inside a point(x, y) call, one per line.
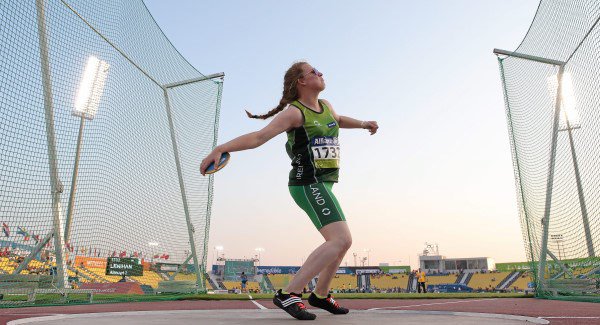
point(574, 317)
point(256, 303)
point(432, 304)
point(82, 317)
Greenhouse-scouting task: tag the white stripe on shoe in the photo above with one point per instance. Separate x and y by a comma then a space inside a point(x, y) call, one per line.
point(290, 300)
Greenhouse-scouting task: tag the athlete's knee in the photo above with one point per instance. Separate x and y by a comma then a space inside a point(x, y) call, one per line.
point(344, 243)
point(348, 243)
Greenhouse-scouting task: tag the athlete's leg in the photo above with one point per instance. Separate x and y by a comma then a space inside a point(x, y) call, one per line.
point(327, 275)
point(337, 241)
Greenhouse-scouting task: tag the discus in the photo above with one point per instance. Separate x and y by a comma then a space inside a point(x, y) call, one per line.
point(222, 163)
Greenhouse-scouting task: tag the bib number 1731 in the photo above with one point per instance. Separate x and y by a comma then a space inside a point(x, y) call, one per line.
point(326, 152)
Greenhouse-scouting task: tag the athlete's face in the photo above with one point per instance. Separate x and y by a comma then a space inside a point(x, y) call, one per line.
point(312, 78)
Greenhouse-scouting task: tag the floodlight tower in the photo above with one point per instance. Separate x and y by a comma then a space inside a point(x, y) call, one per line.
point(87, 101)
point(259, 250)
point(218, 249)
point(368, 251)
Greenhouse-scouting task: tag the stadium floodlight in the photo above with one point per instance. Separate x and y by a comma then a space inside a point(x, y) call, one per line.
point(568, 121)
point(86, 105)
point(91, 88)
point(368, 251)
point(559, 239)
point(569, 117)
point(153, 244)
point(259, 250)
point(218, 249)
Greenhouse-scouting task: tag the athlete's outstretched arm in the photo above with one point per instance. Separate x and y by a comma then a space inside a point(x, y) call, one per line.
point(286, 120)
point(347, 122)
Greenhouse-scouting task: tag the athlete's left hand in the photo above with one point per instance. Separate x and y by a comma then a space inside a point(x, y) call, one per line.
point(371, 126)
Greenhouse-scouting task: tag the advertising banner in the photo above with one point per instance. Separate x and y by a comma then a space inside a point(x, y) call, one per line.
point(111, 288)
point(90, 262)
point(277, 269)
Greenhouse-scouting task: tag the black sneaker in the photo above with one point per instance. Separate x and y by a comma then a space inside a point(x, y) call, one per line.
point(327, 303)
point(292, 304)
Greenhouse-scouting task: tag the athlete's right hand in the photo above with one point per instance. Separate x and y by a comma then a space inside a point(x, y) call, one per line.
point(213, 157)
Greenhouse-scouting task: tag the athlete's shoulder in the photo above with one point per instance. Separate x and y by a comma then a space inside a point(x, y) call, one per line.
point(293, 109)
point(294, 114)
point(294, 105)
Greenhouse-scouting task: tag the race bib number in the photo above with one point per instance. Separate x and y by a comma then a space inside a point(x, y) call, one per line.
point(326, 152)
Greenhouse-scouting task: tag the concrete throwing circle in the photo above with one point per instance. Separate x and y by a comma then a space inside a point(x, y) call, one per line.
point(273, 316)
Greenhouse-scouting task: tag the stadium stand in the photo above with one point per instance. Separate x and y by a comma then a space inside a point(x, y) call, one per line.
point(148, 278)
point(269, 283)
point(521, 283)
point(441, 279)
point(483, 281)
point(212, 284)
point(390, 281)
point(280, 280)
point(512, 277)
point(343, 281)
point(101, 274)
point(232, 285)
point(190, 277)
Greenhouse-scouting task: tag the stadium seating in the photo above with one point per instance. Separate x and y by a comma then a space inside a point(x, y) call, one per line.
point(343, 281)
point(441, 279)
point(7, 265)
point(101, 273)
point(184, 277)
point(582, 270)
point(280, 280)
point(337, 283)
point(190, 277)
point(150, 278)
point(250, 285)
point(388, 281)
point(521, 282)
point(487, 280)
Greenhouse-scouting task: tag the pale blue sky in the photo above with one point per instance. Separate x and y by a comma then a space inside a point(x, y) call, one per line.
point(438, 171)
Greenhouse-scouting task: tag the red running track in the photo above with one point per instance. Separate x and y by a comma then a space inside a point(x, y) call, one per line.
point(557, 312)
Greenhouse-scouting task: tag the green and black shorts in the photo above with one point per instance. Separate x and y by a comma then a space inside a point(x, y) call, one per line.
point(318, 201)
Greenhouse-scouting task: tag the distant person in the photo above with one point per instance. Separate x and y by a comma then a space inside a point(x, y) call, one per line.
point(421, 279)
point(244, 279)
point(312, 127)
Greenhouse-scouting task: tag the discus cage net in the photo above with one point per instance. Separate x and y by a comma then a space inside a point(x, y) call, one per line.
point(551, 86)
point(103, 125)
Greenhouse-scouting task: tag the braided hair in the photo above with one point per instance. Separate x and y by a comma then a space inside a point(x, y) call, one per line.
point(290, 92)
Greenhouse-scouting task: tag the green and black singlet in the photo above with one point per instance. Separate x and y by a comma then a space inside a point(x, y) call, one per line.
point(314, 149)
